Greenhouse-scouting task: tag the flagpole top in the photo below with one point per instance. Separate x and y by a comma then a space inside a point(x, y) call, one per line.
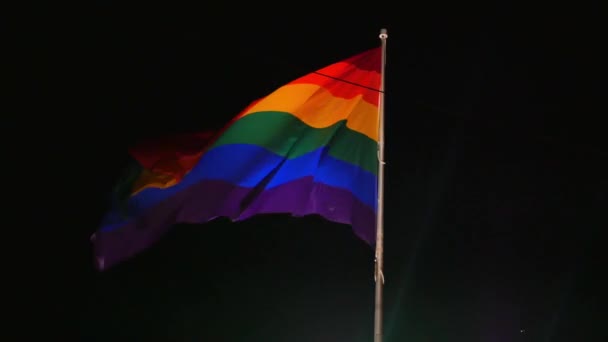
point(383, 34)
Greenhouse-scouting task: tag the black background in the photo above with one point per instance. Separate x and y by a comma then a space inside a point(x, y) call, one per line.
point(496, 173)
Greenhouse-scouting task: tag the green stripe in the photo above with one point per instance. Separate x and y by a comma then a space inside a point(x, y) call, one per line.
point(286, 135)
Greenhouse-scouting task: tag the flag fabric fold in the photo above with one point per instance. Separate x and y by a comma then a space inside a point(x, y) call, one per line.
point(309, 147)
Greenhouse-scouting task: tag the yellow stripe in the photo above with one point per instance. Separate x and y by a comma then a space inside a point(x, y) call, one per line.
point(149, 179)
point(318, 108)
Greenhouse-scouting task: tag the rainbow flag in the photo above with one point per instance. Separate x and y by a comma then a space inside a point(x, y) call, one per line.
point(309, 147)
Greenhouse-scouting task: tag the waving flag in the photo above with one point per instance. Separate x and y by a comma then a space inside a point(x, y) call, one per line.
point(309, 147)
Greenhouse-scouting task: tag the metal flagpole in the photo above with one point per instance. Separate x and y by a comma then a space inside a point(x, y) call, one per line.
point(379, 275)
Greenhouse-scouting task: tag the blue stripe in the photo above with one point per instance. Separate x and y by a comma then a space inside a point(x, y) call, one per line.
point(247, 166)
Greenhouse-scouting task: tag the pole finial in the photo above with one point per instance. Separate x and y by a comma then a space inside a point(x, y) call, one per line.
point(383, 34)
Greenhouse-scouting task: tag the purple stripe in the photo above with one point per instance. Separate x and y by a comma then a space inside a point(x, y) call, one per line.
point(207, 200)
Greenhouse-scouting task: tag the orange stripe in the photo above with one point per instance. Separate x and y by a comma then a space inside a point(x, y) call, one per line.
point(318, 107)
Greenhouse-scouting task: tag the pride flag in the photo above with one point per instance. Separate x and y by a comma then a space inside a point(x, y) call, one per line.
point(309, 147)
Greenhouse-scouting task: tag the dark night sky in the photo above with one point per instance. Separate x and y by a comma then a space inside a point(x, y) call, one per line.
point(496, 175)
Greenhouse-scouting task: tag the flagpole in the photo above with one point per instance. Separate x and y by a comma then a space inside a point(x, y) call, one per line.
point(379, 275)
